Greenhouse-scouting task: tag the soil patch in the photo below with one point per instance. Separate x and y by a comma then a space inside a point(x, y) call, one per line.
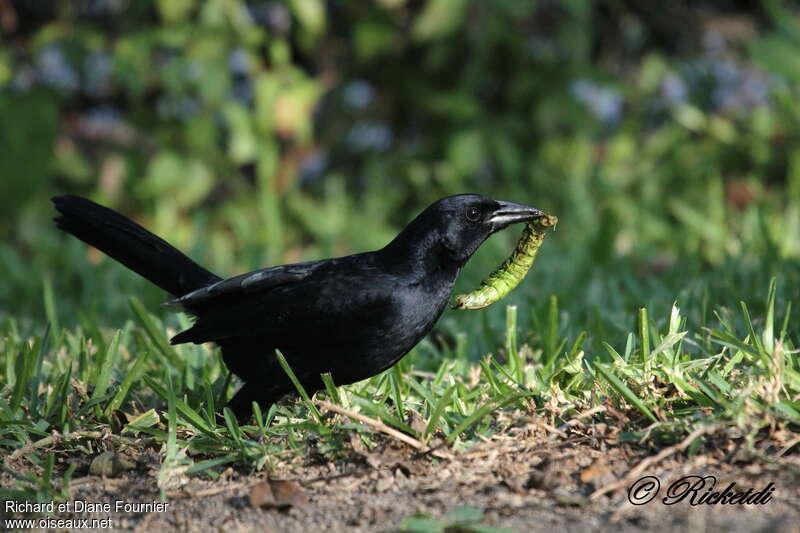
point(520, 482)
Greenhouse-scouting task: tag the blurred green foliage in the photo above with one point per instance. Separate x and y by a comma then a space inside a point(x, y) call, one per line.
point(251, 133)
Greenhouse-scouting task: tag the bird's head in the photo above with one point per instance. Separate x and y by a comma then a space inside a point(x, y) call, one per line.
point(459, 224)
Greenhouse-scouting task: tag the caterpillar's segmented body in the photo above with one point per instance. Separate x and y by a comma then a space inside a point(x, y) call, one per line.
point(510, 273)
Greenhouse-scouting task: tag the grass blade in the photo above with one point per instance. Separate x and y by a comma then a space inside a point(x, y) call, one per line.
point(300, 389)
point(623, 389)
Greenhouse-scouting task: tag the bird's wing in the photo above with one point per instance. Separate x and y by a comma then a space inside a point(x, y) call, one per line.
point(259, 280)
point(331, 300)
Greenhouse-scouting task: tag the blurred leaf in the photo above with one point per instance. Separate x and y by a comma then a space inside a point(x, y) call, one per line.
point(778, 54)
point(438, 19)
point(373, 39)
point(6, 70)
point(243, 145)
point(174, 10)
point(186, 181)
point(293, 108)
point(311, 14)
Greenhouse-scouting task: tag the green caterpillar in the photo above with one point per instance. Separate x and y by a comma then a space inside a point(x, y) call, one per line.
point(510, 273)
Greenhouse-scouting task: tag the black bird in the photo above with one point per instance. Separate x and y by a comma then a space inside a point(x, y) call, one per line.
point(352, 316)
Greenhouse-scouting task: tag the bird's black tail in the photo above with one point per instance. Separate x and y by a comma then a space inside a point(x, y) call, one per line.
point(132, 245)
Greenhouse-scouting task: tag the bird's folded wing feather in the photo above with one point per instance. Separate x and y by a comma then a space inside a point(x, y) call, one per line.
point(259, 280)
point(288, 302)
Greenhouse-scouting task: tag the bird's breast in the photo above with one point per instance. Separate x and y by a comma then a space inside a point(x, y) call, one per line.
point(415, 310)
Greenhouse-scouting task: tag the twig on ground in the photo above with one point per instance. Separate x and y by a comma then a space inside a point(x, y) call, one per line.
point(375, 423)
point(649, 461)
point(788, 447)
point(330, 477)
point(586, 414)
point(552, 429)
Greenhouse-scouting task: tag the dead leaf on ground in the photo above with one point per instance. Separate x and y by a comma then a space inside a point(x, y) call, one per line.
point(416, 422)
point(109, 464)
point(598, 469)
point(277, 494)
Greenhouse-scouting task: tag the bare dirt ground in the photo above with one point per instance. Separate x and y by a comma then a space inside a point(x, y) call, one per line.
point(523, 482)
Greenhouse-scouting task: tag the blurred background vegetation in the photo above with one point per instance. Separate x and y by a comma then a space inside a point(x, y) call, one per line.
point(249, 133)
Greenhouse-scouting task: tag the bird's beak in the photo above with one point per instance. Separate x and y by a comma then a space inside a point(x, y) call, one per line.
point(509, 213)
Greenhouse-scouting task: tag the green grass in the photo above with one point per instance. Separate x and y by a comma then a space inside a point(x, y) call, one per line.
point(706, 350)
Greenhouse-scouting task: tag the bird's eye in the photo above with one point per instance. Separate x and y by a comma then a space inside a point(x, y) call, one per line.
point(473, 214)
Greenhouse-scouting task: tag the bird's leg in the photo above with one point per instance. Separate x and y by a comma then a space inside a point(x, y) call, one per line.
point(242, 402)
point(253, 391)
